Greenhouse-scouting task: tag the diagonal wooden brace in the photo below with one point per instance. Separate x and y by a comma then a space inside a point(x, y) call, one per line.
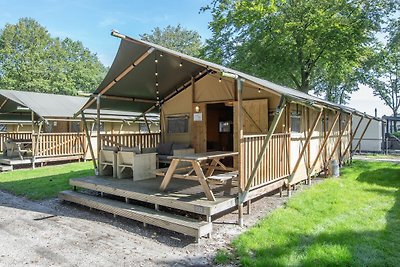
point(339, 140)
point(362, 135)
point(351, 138)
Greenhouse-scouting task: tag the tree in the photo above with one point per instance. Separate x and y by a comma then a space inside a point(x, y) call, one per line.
point(306, 44)
point(31, 60)
point(176, 38)
point(384, 76)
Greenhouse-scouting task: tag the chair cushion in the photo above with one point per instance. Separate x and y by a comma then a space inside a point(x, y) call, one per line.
point(135, 149)
point(149, 150)
point(179, 146)
point(163, 158)
point(164, 149)
point(110, 148)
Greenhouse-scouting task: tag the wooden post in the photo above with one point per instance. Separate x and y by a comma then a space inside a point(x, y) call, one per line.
point(147, 123)
point(33, 139)
point(326, 138)
point(98, 132)
point(303, 149)
point(362, 135)
point(353, 135)
point(88, 135)
point(239, 90)
point(35, 152)
point(339, 139)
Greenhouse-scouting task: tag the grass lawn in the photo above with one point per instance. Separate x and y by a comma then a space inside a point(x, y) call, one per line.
point(45, 182)
point(349, 221)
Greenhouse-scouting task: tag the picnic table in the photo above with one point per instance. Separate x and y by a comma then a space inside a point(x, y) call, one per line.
point(18, 146)
point(196, 161)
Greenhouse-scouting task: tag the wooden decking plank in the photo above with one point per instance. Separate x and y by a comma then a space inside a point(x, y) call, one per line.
point(165, 220)
point(134, 190)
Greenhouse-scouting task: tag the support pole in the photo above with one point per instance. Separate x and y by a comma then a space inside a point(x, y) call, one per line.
point(33, 139)
point(339, 139)
point(88, 134)
point(147, 123)
point(362, 135)
point(35, 152)
point(305, 145)
point(327, 136)
point(239, 90)
point(98, 132)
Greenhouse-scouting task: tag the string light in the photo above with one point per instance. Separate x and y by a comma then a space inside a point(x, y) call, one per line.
point(259, 90)
point(156, 60)
point(157, 85)
point(180, 64)
point(156, 73)
point(161, 55)
point(220, 80)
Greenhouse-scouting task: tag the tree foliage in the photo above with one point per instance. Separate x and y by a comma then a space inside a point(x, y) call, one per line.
point(317, 45)
point(176, 38)
point(31, 60)
point(383, 76)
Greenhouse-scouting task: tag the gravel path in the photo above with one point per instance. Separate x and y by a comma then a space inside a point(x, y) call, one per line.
point(51, 233)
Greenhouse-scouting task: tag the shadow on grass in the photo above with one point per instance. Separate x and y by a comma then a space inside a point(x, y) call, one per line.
point(343, 248)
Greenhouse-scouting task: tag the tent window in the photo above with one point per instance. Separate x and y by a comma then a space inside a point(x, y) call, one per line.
point(296, 122)
point(75, 127)
point(178, 124)
point(143, 128)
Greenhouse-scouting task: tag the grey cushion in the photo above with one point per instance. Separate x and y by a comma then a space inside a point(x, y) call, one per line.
point(135, 149)
point(163, 158)
point(164, 149)
point(149, 150)
point(179, 146)
point(110, 148)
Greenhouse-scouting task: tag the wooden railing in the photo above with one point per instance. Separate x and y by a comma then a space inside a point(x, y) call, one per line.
point(5, 136)
point(275, 162)
point(131, 140)
point(59, 144)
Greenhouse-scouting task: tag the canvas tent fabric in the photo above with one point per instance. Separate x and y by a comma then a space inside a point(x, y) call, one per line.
point(164, 72)
point(43, 105)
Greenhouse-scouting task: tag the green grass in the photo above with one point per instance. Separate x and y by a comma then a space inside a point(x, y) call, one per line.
point(349, 221)
point(45, 182)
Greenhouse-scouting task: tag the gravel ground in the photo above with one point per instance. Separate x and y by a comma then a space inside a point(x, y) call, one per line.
point(52, 233)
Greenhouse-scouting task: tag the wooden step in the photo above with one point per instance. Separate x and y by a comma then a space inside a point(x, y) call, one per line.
point(160, 219)
point(5, 168)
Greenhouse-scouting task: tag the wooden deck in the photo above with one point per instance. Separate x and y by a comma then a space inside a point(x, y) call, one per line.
point(28, 160)
point(181, 194)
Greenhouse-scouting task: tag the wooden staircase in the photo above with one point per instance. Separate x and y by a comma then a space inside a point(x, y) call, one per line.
point(177, 223)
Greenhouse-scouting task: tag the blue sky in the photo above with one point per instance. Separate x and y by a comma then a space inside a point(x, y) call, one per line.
point(91, 22)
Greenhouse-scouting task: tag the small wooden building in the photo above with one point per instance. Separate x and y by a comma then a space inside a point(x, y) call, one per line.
point(282, 136)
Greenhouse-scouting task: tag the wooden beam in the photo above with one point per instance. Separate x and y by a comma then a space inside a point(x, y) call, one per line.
point(37, 140)
point(278, 113)
point(362, 135)
point(98, 132)
point(352, 136)
point(239, 92)
point(88, 135)
point(130, 99)
point(305, 145)
point(339, 139)
point(33, 138)
point(326, 138)
point(147, 123)
point(4, 102)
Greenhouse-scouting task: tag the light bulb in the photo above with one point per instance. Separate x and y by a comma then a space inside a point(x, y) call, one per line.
point(156, 60)
point(220, 80)
point(156, 73)
point(157, 84)
point(259, 90)
point(180, 64)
